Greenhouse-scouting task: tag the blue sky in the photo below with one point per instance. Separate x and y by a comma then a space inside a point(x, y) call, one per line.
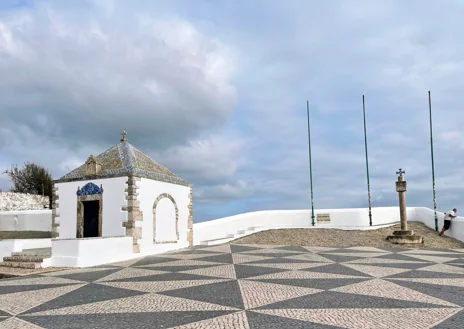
point(216, 91)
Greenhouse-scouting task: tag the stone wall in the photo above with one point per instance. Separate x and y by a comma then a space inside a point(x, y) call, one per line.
point(10, 201)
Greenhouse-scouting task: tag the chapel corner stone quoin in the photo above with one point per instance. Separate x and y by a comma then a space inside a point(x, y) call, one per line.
point(403, 236)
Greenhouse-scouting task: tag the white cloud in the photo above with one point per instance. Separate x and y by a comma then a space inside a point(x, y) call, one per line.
point(217, 92)
point(159, 76)
point(212, 159)
point(72, 78)
point(223, 193)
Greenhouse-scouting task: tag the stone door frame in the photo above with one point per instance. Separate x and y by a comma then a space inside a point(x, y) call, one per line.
point(155, 204)
point(86, 195)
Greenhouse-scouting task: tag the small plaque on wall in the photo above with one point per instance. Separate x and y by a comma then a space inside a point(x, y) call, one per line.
point(323, 218)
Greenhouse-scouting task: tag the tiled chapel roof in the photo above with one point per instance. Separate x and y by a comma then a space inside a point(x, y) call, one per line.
point(124, 159)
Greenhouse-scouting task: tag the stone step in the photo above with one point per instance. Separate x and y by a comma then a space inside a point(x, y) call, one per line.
point(18, 254)
point(216, 241)
point(240, 234)
point(255, 229)
point(230, 237)
point(37, 252)
point(26, 258)
point(28, 265)
point(405, 239)
point(407, 232)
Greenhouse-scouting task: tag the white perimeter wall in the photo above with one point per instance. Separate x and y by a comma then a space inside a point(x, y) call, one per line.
point(114, 197)
point(81, 252)
point(355, 218)
point(26, 220)
point(349, 219)
point(427, 216)
point(95, 251)
point(149, 190)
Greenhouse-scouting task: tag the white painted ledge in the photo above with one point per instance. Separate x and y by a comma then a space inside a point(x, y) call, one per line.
point(90, 252)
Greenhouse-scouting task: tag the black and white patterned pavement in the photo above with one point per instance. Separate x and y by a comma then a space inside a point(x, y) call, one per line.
point(247, 287)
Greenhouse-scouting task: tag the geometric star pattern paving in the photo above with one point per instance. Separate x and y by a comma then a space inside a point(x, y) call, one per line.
point(247, 287)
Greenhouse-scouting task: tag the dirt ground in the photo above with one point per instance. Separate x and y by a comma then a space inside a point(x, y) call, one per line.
point(341, 238)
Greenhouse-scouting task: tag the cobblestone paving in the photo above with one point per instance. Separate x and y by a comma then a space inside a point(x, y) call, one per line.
point(248, 287)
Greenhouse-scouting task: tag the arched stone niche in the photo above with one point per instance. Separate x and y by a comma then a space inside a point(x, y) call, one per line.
point(165, 219)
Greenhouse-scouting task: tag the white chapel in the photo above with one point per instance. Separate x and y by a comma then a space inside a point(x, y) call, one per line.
point(121, 193)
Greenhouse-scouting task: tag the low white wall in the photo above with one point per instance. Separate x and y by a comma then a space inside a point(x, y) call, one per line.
point(7, 247)
point(98, 251)
point(26, 220)
point(427, 216)
point(90, 251)
point(351, 219)
point(347, 219)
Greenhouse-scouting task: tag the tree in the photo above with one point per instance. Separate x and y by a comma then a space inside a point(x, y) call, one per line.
point(32, 179)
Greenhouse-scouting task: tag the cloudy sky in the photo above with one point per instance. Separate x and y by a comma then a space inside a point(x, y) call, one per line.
point(216, 91)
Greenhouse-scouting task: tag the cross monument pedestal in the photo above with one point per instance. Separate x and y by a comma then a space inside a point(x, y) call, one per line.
point(403, 236)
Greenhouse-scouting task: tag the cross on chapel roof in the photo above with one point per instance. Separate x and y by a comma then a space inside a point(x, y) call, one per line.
point(124, 139)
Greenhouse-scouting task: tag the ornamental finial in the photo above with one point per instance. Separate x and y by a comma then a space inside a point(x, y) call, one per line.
point(124, 139)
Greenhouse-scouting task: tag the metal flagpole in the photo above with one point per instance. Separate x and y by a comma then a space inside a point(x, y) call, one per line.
point(433, 164)
point(310, 167)
point(367, 164)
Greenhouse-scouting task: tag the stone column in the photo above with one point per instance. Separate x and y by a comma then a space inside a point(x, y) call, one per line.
point(403, 236)
point(401, 187)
